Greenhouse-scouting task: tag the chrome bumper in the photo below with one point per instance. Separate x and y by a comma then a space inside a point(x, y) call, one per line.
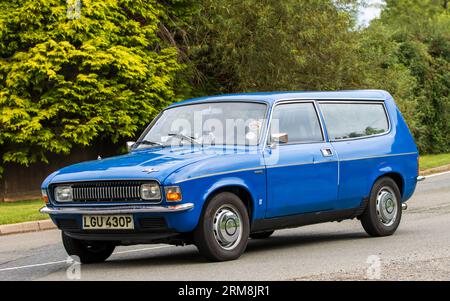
point(117, 210)
point(420, 178)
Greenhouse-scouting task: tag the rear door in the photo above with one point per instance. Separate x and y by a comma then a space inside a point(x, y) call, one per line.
point(359, 132)
point(302, 174)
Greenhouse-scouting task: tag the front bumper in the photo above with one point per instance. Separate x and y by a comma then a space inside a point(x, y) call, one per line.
point(116, 210)
point(149, 220)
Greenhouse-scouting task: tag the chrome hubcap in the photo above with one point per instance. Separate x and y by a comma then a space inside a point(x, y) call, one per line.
point(387, 206)
point(227, 227)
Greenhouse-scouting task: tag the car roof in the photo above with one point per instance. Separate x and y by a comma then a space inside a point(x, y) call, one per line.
point(271, 97)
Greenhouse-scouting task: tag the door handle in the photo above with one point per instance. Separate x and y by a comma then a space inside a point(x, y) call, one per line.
point(326, 152)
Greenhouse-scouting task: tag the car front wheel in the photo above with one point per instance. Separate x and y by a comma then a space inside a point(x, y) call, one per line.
point(87, 252)
point(223, 230)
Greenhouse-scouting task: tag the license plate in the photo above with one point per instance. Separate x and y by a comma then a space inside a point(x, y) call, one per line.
point(96, 222)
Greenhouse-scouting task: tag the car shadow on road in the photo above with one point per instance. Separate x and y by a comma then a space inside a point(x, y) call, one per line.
point(190, 256)
point(301, 240)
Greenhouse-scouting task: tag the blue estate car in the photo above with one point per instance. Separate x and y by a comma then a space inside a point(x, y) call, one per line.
point(217, 170)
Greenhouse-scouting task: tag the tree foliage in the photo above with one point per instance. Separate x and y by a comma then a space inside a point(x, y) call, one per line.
point(66, 82)
point(421, 29)
point(69, 81)
point(255, 45)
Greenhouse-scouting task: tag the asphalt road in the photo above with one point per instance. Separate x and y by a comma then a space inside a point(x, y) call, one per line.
point(419, 250)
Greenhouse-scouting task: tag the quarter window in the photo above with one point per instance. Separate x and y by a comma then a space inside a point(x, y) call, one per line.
point(353, 120)
point(298, 120)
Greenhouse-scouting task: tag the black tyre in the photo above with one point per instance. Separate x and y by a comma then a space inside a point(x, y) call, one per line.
point(384, 210)
point(223, 230)
point(261, 235)
point(91, 252)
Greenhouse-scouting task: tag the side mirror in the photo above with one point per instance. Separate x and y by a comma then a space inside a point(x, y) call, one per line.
point(130, 145)
point(278, 138)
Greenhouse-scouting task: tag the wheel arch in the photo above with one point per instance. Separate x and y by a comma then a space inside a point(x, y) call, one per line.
point(240, 190)
point(396, 176)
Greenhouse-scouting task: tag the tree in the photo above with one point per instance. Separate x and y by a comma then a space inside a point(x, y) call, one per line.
point(421, 29)
point(382, 68)
point(68, 79)
point(255, 45)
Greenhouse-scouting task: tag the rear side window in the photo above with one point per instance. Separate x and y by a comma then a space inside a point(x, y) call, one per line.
point(353, 120)
point(298, 120)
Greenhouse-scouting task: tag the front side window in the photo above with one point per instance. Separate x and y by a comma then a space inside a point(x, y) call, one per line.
point(215, 123)
point(298, 120)
point(353, 120)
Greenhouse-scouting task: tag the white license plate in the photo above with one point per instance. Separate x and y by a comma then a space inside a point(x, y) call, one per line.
point(96, 222)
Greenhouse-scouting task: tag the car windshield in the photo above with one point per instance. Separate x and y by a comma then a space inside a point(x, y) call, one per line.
point(215, 123)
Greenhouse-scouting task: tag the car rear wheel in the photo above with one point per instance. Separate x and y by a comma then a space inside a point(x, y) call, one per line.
point(384, 210)
point(87, 252)
point(223, 230)
point(261, 235)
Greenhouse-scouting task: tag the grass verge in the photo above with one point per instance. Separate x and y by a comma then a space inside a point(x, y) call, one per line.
point(430, 161)
point(23, 211)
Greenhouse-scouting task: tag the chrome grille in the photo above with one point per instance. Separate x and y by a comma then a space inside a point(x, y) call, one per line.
point(112, 191)
point(106, 193)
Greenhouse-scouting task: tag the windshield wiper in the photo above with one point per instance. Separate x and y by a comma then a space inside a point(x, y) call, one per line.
point(148, 142)
point(183, 136)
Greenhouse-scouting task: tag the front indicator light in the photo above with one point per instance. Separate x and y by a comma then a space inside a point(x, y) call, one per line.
point(173, 194)
point(44, 195)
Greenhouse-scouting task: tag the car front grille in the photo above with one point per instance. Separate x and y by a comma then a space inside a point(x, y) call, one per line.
point(111, 191)
point(106, 191)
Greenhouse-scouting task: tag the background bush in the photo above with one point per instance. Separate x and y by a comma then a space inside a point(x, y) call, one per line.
point(70, 81)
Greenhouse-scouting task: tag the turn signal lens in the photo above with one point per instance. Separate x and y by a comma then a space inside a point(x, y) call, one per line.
point(44, 195)
point(173, 194)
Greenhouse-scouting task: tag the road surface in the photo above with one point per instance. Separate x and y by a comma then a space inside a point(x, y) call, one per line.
point(419, 250)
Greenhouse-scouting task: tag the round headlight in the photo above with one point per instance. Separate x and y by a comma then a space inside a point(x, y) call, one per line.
point(63, 194)
point(150, 191)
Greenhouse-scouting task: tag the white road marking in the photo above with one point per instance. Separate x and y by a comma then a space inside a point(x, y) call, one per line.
point(33, 265)
point(65, 261)
point(437, 174)
point(143, 249)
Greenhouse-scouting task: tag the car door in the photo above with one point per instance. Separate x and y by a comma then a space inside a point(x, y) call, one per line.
point(358, 132)
point(302, 174)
